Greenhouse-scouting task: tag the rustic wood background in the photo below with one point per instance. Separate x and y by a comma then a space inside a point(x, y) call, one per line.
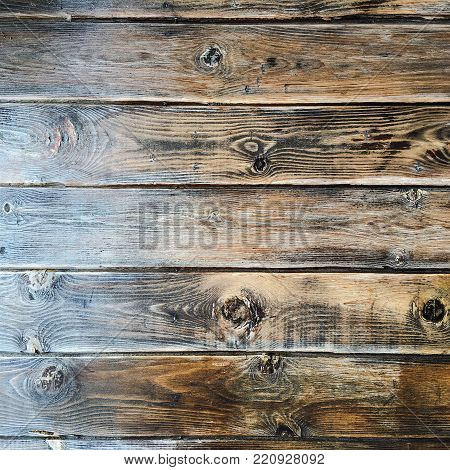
point(302, 148)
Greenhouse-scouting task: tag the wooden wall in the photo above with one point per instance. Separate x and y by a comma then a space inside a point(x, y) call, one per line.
point(224, 224)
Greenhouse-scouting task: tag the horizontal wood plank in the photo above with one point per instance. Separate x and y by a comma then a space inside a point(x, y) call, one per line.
point(249, 396)
point(223, 9)
point(58, 443)
point(101, 144)
point(225, 227)
point(60, 312)
point(224, 63)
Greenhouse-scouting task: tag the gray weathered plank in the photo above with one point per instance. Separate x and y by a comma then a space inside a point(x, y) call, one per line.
point(248, 396)
point(101, 144)
point(223, 9)
point(61, 312)
point(225, 227)
point(224, 63)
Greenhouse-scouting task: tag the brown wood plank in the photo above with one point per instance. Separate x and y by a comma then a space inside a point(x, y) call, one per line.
point(101, 144)
point(62, 312)
point(224, 63)
point(265, 395)
point(58, 443)
point(224, 9)
point(225, 227)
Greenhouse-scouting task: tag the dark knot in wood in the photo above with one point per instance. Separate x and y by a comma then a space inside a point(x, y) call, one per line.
point(285, 431)
point(238, 318)
point(52, 379)
point(241, 312)
point(433, 311)
point(269, 363)
point(261, 163)
point(211, 57)
point(271, 62)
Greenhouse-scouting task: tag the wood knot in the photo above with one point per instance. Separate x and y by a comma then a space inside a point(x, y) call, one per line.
point(241, 312)
point(31, 343)
point(418, 167)
point(211, 57)
point(269, 363)
point(52, 379)
point(257, 150)
point(399, 258)
point(433, 311)
point(414, 196)
point(285, 431)
point(238, 318)
point(261, 163)
point(64, 135)
point(41, 280)
point(271, 62)
point(7, 208)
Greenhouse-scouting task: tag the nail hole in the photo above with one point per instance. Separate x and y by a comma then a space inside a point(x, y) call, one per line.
point(433, 311)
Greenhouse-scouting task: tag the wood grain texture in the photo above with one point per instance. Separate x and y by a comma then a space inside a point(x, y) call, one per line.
point(224, 63)
point(225, 227)
point(224, 9)
point(266, 395)
point(60, 312)
point(58, 443)
point(101, 144)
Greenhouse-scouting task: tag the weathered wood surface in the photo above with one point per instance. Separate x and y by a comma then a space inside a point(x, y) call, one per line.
point(264, 395)
point(224, 63)
point(43, 312)
point(58, 443)
point(224, 9)
point(225, 227)
point(101, 144)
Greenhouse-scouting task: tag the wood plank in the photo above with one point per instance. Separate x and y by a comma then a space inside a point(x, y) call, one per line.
point(225, 227)
point(266, 395)
point(224, 63)
point(223, 9)
point(101, 144)
point(61, 312)
point(58, 443)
